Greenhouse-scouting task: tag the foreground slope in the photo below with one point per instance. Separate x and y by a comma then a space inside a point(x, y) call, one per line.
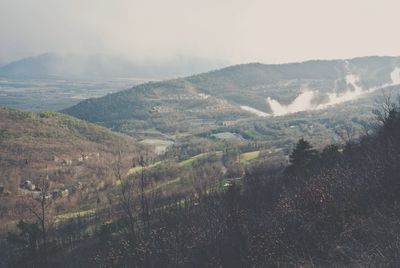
point(336, 207)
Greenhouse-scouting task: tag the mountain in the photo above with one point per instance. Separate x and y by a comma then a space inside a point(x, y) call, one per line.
point(237, 93)
point(52, 65)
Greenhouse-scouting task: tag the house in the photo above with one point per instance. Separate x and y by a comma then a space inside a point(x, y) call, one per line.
point(59, 193)
point(83, 157)
point(67, 162)
point(64, 193)
point(28, 185)
point(6, 193)
point(46, 196)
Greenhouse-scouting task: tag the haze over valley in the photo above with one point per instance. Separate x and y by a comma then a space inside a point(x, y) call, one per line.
point(55, 81)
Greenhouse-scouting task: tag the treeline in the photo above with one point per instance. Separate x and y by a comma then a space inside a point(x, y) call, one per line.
point(334, 207)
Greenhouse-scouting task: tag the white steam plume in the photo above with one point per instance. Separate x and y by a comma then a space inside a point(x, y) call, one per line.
point(303, 102)
point(254, 111)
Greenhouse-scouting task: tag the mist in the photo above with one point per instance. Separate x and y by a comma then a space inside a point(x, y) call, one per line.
point(230, 30)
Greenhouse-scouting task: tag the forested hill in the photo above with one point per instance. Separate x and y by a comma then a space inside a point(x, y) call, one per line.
point(70, 149)
point(236, 92)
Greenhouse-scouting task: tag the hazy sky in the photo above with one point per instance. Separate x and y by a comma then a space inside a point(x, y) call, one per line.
point(268, 31)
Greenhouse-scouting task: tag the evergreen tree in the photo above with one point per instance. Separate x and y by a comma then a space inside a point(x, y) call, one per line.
point(301, 158)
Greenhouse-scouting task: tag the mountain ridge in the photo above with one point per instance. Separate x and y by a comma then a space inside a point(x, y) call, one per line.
point(102, 66)
point(231, 93)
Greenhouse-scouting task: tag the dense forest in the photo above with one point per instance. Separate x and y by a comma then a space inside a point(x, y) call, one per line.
point(333, 207)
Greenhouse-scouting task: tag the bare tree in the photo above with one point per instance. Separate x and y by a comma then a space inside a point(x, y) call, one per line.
point(39, 205)
point(386, 106)
point(126, 197)
point(143, 161)
point(346, 133)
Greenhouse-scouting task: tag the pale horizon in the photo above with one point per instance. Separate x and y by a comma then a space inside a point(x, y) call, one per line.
point(235, 32)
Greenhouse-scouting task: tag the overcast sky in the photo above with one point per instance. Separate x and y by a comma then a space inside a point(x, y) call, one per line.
point(269, 31)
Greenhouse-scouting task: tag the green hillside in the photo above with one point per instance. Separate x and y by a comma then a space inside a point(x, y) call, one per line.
point(212, 99)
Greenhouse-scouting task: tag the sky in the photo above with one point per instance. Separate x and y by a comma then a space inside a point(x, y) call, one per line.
point(236, 31)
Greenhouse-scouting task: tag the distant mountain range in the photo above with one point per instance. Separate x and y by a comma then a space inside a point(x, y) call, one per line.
point(99, 66)
point(239, 92)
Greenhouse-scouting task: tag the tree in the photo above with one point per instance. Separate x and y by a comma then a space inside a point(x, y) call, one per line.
point(41, 211)
point(301, 158)
point(26, 241)
point(330, 155)
point(32, 238)
point(127, 198)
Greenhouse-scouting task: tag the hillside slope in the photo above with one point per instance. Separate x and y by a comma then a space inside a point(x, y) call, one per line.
point(68, 149)
point(239, 92)
point(335, 207)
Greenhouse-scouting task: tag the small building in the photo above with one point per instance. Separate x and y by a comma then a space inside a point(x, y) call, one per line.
point(83, 157)
point(59, 193)
point(64, 193)
point(28, 185)
point(67, 162)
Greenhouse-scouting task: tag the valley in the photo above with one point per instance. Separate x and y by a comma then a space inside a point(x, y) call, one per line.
point(255, 101)
point(177, 143)
point(178, 124)
point(52, 94)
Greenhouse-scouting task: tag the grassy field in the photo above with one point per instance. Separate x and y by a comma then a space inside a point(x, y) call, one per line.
point(73, 215)
point(196, 157)
point(245, 158)
point(139, 168)
point(167, 184)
